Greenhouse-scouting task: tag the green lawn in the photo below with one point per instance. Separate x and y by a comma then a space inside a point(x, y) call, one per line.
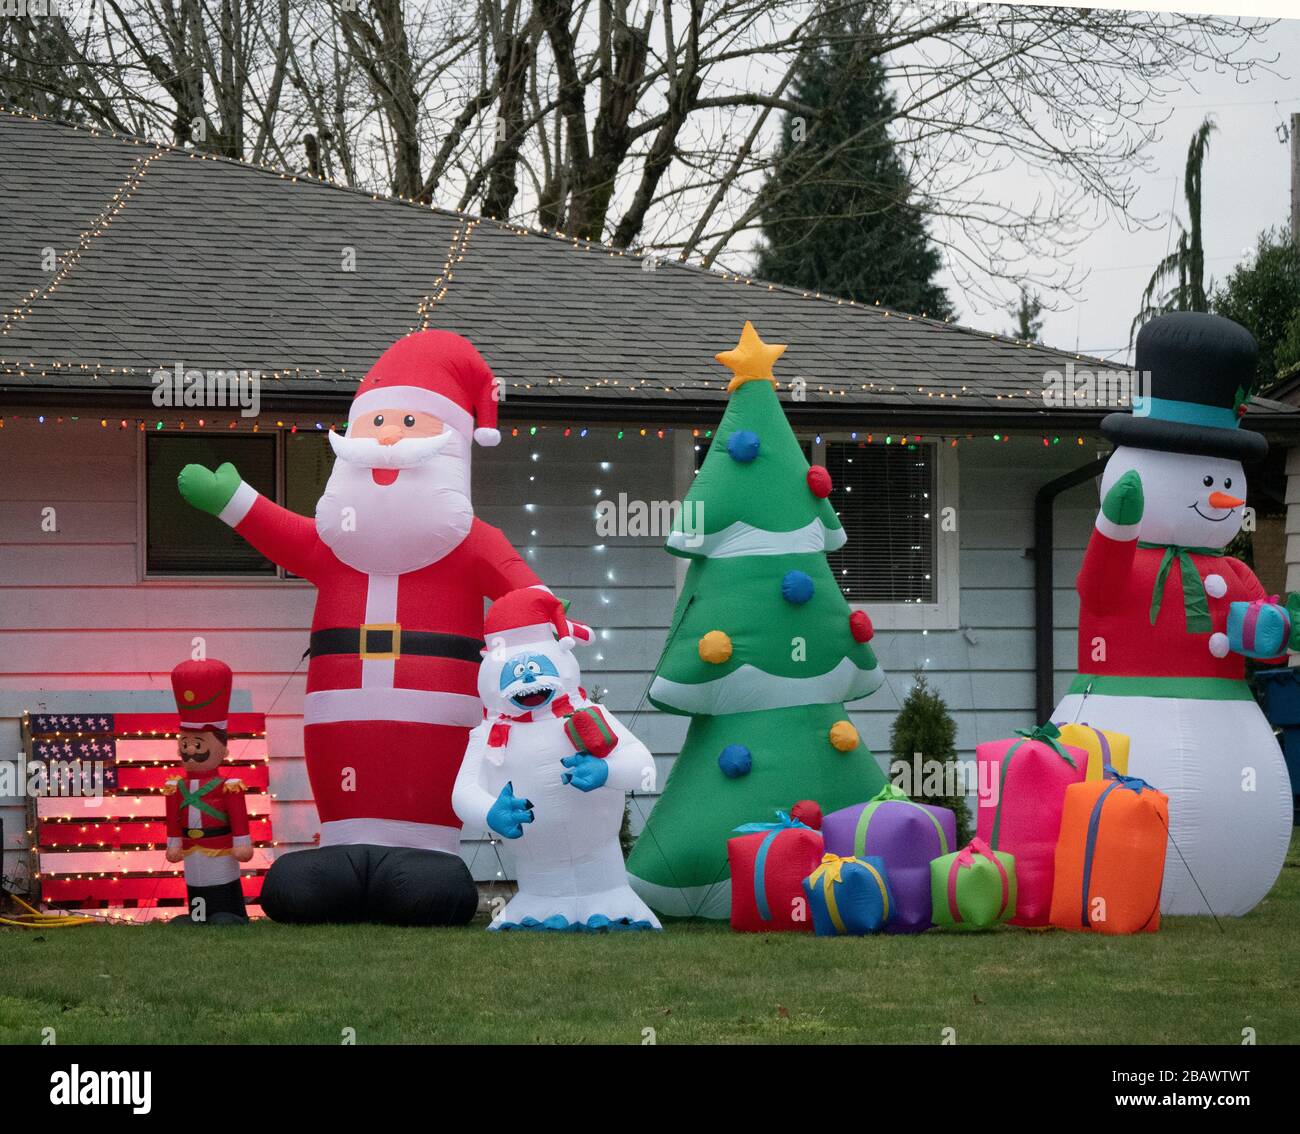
point(1189, 983)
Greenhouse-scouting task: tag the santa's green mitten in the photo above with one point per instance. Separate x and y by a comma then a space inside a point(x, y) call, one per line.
point(208, 491)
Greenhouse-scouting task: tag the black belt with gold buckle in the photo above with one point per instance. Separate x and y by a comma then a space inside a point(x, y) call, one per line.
point(386, 641)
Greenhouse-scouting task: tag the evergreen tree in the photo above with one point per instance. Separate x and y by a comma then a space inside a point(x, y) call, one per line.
point(839, 215)
point(1178, 283)
point(925, 728)
point(1263, 295)
point(1028, 316)
point(762, 653)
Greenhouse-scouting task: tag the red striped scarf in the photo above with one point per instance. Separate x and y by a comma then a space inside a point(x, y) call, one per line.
point(499, 733)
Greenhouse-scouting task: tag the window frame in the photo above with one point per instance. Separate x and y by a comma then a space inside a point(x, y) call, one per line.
point(225, 578)
point(942, 614)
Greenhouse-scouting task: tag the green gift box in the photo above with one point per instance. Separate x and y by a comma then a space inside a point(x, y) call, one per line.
point(974, 888)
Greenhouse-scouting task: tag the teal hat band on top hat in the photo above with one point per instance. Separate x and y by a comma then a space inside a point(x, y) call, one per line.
point(1188, 413)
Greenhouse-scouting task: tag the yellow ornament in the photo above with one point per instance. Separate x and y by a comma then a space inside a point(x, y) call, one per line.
point(715, 647)
point(844, 737)
point(751, 359)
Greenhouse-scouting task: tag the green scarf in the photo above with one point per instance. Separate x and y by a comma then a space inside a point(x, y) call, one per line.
point(1196, 611)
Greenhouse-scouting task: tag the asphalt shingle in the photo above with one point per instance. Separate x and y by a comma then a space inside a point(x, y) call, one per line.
point(218, 264)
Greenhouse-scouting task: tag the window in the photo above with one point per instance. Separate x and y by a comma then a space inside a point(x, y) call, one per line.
point(899, 562)
point(181, 540)
point(885, 498)
point(308, 460)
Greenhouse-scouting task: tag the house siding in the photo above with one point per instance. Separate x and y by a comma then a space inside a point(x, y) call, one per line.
point(74, 615)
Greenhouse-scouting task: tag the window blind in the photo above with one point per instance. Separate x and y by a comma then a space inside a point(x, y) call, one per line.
point(884, 496)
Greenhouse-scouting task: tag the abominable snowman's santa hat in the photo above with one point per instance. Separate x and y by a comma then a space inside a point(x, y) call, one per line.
point(528, 617)
point(202, 692)
point(435, 372)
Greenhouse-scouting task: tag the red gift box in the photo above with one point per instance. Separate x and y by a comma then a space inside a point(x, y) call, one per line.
point(769, 862)
point(589, 731)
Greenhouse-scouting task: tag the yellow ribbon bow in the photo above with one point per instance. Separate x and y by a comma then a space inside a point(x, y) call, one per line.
point(832, 865)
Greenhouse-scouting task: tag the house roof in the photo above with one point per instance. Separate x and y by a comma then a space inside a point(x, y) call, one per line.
point(165, 256)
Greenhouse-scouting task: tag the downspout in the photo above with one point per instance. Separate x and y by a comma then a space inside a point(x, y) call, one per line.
point(1044, 659)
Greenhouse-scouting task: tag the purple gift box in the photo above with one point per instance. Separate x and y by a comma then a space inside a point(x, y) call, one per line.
point(908, 836)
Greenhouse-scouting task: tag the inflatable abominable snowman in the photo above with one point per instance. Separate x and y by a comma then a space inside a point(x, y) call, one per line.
point(549, 768)
point(1166, 618)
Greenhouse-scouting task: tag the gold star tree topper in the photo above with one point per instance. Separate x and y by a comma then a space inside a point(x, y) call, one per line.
point(751, 359)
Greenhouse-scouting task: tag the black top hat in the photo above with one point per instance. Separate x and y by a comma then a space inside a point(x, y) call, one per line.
point(1200, 368)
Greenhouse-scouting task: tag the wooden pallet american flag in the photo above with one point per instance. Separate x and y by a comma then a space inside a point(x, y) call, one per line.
point(96, 819)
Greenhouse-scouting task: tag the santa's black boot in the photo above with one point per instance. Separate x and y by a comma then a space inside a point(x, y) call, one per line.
point(419, 887)
point(312, 887)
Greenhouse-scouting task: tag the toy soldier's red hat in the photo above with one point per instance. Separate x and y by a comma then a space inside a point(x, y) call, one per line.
point(436, 372)
point(530, 615)
point(202, 691)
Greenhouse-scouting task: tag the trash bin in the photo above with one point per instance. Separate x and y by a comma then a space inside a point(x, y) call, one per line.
point(1281, 692)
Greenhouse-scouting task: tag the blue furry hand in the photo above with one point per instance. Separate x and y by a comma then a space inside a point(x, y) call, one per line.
point(589, 772)
point(508, 815)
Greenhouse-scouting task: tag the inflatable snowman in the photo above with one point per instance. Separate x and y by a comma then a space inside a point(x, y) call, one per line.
point(549, 768)
point(1166, 618)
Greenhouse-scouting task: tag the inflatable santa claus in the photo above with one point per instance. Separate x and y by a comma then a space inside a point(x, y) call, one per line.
point(401, 568)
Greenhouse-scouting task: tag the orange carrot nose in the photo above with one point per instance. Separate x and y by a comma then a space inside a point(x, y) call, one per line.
point(1223, 500)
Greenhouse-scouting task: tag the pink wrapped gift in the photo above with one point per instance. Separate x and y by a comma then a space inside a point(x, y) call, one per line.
point(1022, 793)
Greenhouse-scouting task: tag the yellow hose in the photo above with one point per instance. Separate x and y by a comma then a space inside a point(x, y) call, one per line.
point(50, 923)
point(35, 919)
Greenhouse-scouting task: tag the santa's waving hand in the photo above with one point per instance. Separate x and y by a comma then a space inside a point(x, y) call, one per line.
point(401, 568)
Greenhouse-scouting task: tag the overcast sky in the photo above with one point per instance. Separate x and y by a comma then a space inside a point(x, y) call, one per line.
point(1246, 189)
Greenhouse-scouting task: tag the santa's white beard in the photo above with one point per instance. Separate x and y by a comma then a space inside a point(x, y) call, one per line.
point(389, 529)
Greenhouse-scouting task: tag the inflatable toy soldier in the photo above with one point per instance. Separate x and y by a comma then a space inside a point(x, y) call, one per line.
point(207, 821)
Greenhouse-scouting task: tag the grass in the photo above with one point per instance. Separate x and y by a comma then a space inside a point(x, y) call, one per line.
point(1190, 983)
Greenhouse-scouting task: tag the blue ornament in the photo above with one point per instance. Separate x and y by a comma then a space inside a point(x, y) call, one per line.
point(735, 761)
point(797, 587)
point(742, 446)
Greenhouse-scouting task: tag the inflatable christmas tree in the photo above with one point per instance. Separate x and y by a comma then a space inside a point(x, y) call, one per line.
point(762, 654)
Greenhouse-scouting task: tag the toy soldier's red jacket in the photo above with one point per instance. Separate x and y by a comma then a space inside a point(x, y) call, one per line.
point(207, 813)
point(392, 682)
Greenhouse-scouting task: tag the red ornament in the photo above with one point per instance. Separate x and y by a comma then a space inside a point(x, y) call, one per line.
point(860, 626)
point(808, 813)
point(819, 482)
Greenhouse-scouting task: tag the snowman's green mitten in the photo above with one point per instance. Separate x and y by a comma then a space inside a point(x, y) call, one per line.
point(1123, 503)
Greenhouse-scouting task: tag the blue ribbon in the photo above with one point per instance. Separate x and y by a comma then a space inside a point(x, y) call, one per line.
point(1133, 783)
point(783, 823)
point(1129, 783)
point(760, 867)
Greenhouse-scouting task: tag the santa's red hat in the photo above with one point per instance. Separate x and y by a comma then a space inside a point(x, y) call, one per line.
point(529, 615)
point(202, 692)
point(435, 372)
